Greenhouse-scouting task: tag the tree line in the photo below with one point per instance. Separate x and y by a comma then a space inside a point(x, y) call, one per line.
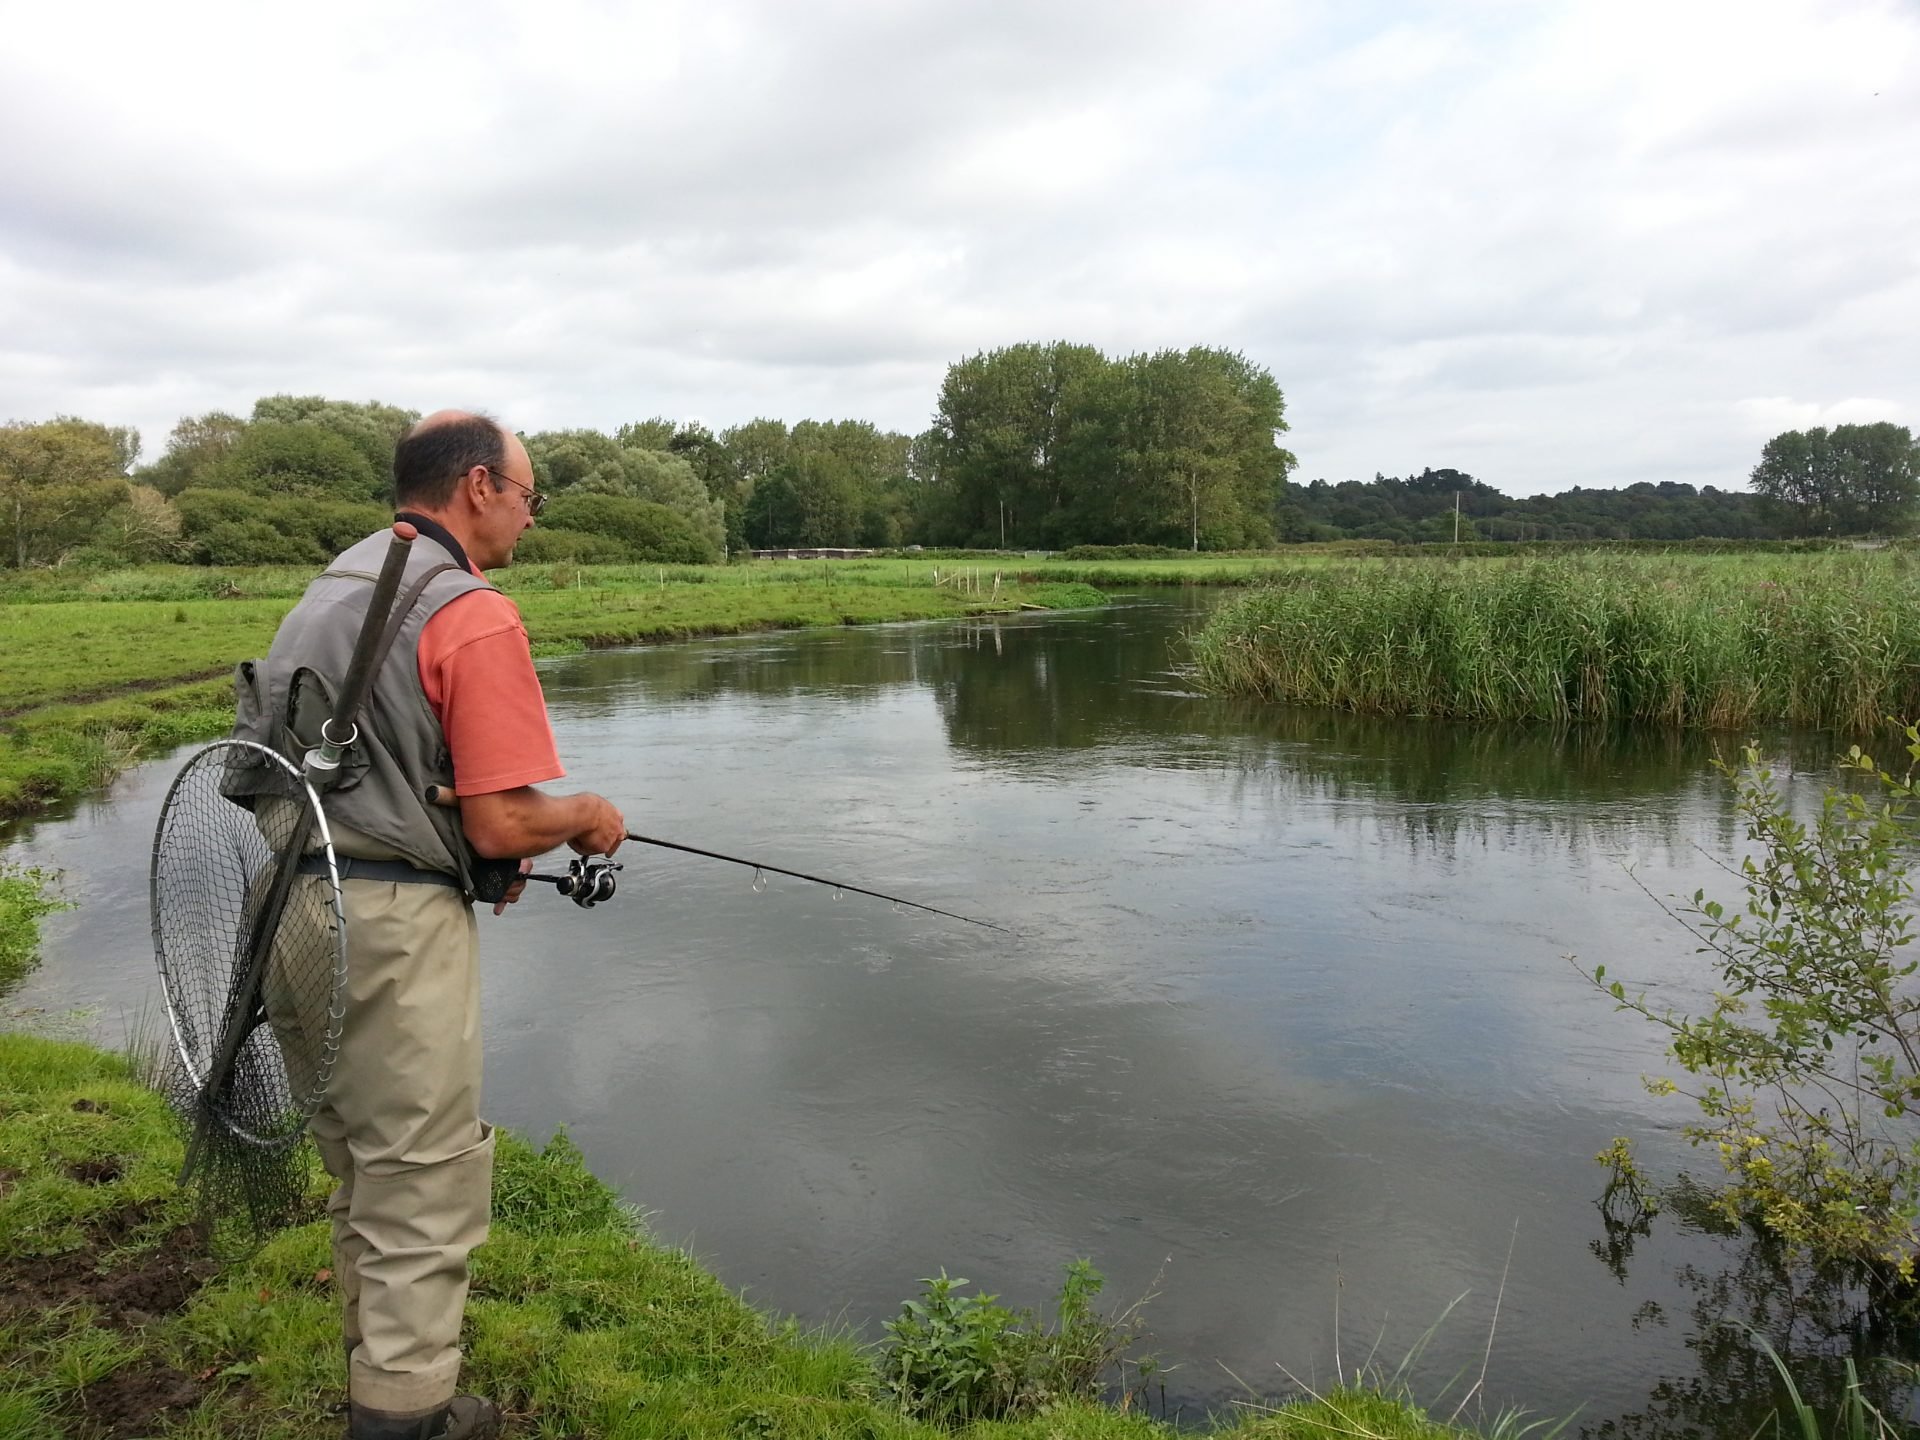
point(1031, 447)
point(1851, 480)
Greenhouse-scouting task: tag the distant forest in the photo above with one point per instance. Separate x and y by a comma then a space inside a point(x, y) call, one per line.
point(1031, 447)
point(1422, 508)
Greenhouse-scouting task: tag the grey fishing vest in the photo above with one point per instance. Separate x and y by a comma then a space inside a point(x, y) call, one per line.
point(282, 701)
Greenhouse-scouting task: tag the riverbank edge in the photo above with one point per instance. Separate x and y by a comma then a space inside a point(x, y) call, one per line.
point(63, 750)
point(115, 1319)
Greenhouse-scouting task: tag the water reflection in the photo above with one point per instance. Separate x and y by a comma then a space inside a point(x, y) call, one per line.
point(1289, 1013)
point(1748, 1297)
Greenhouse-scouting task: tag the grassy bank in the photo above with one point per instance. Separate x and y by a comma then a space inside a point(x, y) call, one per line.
point(100, 670)
point(1709, 642)
point(114, 1321)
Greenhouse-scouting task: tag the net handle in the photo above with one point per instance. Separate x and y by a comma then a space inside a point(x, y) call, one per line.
point(321, 763)
point(341, 728)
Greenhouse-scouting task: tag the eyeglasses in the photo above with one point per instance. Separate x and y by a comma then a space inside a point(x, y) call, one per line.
point(536, 502)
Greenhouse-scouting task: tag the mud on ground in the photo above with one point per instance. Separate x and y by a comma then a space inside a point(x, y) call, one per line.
point(128, 1292)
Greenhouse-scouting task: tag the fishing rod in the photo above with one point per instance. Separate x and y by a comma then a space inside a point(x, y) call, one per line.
point(588, 882)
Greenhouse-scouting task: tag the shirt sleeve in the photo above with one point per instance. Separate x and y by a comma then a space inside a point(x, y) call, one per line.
point(476, 667)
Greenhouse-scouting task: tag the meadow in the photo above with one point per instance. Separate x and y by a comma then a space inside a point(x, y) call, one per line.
point(1710, 642)
point(99, 670)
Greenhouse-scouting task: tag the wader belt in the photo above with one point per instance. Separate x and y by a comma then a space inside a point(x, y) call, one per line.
point(394, 872)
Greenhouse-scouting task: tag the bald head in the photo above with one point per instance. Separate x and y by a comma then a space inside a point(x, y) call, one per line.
point(434, 454)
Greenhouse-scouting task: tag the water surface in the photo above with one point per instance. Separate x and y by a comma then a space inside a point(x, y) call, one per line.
point(1289, 1036)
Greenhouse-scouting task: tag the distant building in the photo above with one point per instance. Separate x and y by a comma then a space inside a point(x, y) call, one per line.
point(811, 552)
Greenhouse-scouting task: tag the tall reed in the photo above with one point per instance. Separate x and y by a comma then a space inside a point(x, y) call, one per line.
point(1714, 643)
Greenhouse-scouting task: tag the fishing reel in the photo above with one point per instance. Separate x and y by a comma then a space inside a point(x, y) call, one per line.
point(587, 881)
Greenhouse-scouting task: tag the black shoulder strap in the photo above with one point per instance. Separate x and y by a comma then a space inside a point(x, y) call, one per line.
point(402, 608)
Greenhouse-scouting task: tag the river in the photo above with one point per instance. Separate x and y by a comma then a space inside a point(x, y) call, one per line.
point(1288, 1037)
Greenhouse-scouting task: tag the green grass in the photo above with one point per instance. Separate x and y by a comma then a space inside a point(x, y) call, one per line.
point(1701, 642)
point(579, 1321)
point(25, 895)
point(100, 670)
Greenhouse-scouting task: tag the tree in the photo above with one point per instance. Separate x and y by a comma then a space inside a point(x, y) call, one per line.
point(655, 433)
point(57, 479)
point(194, 446)
point(585, 462)
point(144, 528)
point(372, 428)
point(1058, 445)
point(282, 458)
point(1851, 480)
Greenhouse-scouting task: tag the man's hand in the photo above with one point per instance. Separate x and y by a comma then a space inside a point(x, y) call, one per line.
point(514, 891)
point(606, 827)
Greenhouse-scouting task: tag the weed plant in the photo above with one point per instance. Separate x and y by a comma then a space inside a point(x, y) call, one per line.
point(1709, 642)
point(25, 896)
point(956, 1358)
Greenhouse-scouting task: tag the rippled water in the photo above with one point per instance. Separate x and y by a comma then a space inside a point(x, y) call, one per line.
point(1288, 1033)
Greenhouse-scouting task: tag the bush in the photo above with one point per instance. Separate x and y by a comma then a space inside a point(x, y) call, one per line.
point(255, 542)
point(281, 459)
point(650, 532)
point(1127, 552)
point(1808, 1063)
point(235, 527)
point(958, 1358)
point(545, 546)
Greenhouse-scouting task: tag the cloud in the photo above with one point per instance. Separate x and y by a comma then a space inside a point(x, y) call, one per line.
point(1552, 245)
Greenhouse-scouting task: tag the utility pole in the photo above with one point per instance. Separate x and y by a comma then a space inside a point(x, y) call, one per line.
point(1456, 517)
point(1003, 524)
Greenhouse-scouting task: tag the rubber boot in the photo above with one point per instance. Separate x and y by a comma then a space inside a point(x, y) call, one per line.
point(465, 1417)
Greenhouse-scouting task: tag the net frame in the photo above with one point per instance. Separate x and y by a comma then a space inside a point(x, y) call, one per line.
point(187, 953)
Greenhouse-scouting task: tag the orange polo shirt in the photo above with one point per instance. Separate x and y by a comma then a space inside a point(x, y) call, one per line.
point(477, 669)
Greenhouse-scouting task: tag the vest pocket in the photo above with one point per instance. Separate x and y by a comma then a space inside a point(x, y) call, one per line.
point(310, 703)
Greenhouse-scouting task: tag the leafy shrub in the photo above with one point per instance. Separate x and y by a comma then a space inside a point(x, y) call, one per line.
point(651, 532)
point(1127, 552)
point(955, 1358)
point(1807, 1065)
point(545, 546)
point(235, 527)
point(255, 542)
point(274, 458)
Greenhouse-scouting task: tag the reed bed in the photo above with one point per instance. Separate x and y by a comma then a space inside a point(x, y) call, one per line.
point(1709, 643)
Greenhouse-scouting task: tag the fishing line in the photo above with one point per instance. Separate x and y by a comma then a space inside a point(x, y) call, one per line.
point(590, 881)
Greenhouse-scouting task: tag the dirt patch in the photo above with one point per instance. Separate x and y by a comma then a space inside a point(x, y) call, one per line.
point(95, 1172)
point(8, 1179)
point(155, 1282)
point(91, 1107)
point(126, 1295)
point(128, 1402)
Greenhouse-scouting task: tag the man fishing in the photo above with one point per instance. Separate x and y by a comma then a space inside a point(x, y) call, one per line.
point(454, 704)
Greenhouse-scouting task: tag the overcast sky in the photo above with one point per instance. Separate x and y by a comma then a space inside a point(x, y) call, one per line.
point(1547, 243)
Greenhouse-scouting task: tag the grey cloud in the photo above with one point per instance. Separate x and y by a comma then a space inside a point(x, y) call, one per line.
point(1483, 240)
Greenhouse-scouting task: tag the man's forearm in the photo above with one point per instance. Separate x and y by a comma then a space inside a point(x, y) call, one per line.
point(515, 824)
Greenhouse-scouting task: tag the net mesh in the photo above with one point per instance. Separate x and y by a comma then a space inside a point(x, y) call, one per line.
point(252, 967)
